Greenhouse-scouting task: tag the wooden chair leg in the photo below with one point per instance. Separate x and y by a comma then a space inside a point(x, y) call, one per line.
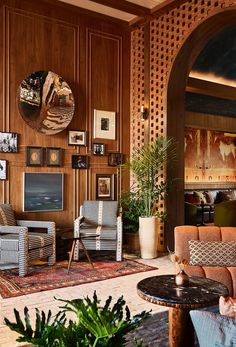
point(86, 253)
point(71, 255)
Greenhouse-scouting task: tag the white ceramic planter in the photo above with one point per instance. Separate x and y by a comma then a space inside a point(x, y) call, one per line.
point(148, 237)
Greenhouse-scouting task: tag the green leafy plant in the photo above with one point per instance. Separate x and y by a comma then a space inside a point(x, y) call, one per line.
point(132, 208)
point(96, 326)
point(147, 163)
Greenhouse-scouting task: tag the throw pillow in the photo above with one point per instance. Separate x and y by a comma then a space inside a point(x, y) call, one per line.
point(212, 253)
point(200, 197)
point(224, 196)
point(214, 330)
point(209, 197)
point(190, 198)
point(227, 306)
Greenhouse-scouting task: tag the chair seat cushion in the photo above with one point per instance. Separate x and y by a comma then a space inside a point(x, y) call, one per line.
point(213, 329)
point(105, 233)
point(10, 242)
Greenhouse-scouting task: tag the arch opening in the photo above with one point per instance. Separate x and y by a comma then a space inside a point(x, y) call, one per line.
point(181, 68)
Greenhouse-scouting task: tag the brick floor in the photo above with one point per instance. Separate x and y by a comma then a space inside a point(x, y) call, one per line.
point(116, 287)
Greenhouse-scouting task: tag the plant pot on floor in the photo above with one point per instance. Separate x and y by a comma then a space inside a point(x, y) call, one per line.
point(131, 241)
point(148, 236)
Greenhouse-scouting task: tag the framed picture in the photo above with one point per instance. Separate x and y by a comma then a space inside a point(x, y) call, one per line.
point(53, 156)
point(104, 125)
point(43, 191)
point(8, 142)
point(79, 161)
point(115, 159)
point(105, 187)
point(34, 156)
point(77, 138)
point(98, 148)
point(3, 169)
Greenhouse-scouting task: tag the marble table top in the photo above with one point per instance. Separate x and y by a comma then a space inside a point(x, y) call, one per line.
point(162, 290)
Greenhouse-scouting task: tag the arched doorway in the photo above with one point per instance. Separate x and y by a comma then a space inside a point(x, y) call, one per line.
point(176, 108)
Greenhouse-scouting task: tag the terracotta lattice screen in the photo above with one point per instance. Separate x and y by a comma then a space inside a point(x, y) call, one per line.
point(167, 35)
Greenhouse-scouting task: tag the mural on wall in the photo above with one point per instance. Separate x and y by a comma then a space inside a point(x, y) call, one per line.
point(210, 156)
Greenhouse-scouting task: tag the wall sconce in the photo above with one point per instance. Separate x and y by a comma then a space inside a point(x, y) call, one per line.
point(144, 113)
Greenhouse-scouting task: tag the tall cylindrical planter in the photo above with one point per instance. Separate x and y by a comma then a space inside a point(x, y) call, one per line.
point(148, 237)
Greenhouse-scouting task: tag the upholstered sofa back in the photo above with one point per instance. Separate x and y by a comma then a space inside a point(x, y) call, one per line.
point(223, 274)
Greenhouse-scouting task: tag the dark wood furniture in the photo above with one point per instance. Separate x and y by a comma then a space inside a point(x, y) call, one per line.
point(70, 236)
point(200, 292)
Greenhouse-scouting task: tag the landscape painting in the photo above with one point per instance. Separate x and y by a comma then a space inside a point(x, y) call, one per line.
point(43, 191)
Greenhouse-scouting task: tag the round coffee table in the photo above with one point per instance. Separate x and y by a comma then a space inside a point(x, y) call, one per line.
point(200, 292)
point(70, 236)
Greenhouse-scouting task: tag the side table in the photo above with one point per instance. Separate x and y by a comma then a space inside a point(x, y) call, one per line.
point(200, 292)
point(62, 247)
point(70, 236)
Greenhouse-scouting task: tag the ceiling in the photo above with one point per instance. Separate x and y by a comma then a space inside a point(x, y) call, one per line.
point(128, 11)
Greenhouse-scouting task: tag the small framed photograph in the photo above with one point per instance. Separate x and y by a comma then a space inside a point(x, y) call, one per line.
point(8, 142)
point(3, 169)
point(77, 138)
point(53, 156)
point(79, 162)
point(104, 125)
point(105, 187)
point(98, 148)
point(115, 159)
point(34, 156)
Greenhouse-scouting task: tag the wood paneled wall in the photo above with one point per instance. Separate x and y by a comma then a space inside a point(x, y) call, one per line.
point(92, 55)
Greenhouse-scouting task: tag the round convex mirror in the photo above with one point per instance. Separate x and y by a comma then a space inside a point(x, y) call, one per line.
point(46, 102)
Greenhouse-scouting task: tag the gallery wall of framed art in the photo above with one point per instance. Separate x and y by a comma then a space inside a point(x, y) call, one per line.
point(26, 143)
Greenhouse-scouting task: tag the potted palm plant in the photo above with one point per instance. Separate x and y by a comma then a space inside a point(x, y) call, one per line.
point(146, 164)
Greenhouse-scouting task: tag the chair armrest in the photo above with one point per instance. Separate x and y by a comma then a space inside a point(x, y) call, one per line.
point(13, 229)
point(50, 226)
point(77, 223)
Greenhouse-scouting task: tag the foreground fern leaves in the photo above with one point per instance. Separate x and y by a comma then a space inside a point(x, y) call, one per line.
point(94, 326)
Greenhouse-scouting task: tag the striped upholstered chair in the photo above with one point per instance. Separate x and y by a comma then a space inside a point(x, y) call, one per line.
point(18, 245)
point(99, 218)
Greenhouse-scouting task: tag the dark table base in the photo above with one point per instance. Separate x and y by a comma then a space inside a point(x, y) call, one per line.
point(181, 330)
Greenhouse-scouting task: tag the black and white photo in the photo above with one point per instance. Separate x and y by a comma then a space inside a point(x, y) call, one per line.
point(104, 125)
point(99, 149)
point(8, 142)
point(77, 138)
point(3, 169)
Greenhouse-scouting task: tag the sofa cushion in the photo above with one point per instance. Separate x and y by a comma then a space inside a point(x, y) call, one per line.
point(212, 253)
point(210, 199)
point(7, 215)
point(189, 197)
point(224, 195)
point(213, 329)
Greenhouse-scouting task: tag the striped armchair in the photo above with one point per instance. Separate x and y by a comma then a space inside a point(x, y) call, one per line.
point(99, 218)
point(18, 245)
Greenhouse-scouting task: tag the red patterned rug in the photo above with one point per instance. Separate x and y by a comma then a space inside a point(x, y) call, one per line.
point(43, 277)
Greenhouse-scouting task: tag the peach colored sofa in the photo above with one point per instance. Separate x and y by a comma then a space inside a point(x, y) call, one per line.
point(223, 274)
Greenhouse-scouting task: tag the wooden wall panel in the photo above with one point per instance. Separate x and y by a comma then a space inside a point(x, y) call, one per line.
point(87, 53)
point(210, 121)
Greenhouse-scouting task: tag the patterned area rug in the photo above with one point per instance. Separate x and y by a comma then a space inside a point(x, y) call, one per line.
point(43, 277)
